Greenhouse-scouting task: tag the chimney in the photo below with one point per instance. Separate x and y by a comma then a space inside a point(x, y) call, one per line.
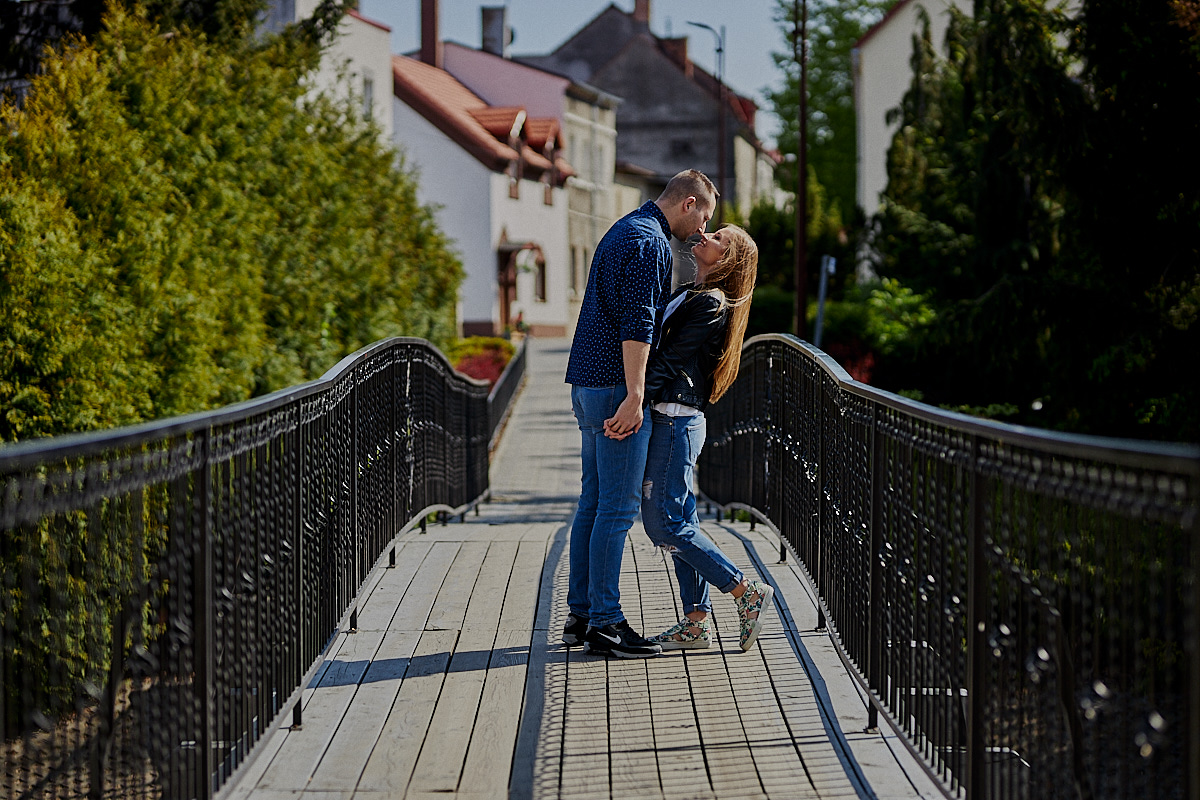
point(497, 35)
point(641, 11)
point(677, 51)
point(431, 37)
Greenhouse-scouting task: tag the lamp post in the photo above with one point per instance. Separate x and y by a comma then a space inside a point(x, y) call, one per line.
point(800, 272)
point(720, 37)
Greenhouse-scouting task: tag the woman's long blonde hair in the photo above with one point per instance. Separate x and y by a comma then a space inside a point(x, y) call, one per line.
point(732, 280)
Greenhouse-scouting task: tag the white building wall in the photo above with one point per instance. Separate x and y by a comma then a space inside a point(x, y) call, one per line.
point(362, 50)
point(882, 74)
point(528, 218)
point(459, 187)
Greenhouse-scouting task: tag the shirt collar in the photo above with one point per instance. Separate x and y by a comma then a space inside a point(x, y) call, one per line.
point(651, 208)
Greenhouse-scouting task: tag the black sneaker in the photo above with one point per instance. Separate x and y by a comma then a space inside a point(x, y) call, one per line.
point(619, 640)
point(574, 630)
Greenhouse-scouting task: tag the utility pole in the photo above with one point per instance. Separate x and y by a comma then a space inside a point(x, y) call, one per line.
point(800, 273)
point(721, 99)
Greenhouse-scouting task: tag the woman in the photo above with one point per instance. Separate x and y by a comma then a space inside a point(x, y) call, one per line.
point(696, 361)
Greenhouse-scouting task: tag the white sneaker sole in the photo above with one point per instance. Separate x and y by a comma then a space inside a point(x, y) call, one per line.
point(698, 644)
point(756, 623)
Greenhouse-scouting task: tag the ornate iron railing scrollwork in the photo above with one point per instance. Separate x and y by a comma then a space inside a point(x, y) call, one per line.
point(167, 590)
point(1020, 605)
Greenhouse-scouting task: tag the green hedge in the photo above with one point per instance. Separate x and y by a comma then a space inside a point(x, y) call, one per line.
point(183, 226)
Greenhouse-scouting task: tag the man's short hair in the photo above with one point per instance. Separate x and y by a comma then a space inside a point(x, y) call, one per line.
point(690, 183)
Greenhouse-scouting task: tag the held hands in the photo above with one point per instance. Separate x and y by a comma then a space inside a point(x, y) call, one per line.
point(627, 420)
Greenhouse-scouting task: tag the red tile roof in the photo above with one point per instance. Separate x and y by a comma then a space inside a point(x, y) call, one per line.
point(483, 131)
point(501, 122)
point(541, 131)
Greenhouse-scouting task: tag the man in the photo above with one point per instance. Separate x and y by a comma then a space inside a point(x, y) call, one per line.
point(630, 278)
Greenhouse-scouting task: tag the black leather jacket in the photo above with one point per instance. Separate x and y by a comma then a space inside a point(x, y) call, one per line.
point(688, 349)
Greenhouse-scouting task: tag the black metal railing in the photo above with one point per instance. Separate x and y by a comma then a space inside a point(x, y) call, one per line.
point(168, 590)
point(1021, 605)
point(500, 399)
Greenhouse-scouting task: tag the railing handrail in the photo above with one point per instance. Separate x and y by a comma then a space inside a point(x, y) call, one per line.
point(504, 390)
point(1019, 605)
point(1130, 452)
point(220, 552)
point(23, 454)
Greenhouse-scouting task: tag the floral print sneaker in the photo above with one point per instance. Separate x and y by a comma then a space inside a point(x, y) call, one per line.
point(750, 608)
point(684, 635)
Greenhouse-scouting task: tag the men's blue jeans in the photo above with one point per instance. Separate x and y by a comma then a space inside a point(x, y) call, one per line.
point(608, 505)
point(669, 510)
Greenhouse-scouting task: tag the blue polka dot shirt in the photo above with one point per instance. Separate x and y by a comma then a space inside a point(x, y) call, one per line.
point(630, 279)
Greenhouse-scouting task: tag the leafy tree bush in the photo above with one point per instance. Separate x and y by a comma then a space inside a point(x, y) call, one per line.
point(1044, 198)
point(483, 357)
point(834, 27)
point(208, 229)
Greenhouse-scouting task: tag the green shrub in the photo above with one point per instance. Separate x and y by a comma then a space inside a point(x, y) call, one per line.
point(482, 357)
point(187, 227)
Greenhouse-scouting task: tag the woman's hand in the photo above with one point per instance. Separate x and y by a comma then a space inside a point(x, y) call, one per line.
point(610, 430)
point(627, 420)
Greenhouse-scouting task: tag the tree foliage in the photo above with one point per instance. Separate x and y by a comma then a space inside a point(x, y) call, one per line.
point(834, 26)
point(186, 225)
point(1044, 192)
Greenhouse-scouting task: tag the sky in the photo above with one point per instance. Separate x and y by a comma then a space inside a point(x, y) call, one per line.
point(540, 26)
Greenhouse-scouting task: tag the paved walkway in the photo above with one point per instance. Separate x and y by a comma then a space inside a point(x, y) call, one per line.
point(455, 686)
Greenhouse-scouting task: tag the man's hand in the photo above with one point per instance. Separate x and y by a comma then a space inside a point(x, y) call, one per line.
point(627, 420)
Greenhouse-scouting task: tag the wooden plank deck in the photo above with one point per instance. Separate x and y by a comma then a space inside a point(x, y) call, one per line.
point(455, 685)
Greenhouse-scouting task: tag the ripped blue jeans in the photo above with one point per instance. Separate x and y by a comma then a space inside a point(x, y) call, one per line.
point(669, 510)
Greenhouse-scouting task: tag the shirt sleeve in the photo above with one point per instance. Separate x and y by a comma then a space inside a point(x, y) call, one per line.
point(642, 280)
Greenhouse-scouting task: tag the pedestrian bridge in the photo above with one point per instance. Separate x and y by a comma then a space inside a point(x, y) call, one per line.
point(304, 596)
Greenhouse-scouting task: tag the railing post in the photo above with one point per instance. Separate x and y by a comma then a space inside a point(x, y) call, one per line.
point(977, 632)
point(202, 596)
point(298, 511)
point(875, 628)
point(1192, 651)
point(815, 549)
point(356, 579)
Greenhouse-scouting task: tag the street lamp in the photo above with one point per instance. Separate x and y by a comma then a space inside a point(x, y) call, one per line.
point(720, 37)
point(800, 274)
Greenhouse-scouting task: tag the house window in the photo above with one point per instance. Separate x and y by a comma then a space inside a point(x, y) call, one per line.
point(368, 97)
point(539, 282)
point(681, 148)
point(574, 270)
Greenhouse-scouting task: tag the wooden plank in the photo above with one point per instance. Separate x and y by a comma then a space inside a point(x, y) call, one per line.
point(248, 780)
point(450, 608)
point(494, 739)
point(379, 607)
point(633, 757)
point(585, 740)
point(443, 753)
point(536, 765)
point(296, 794)
point(347, 754)
point(681, 766)
point(487, 596)
point(391, 763)
point(523, 594)
point(795, 711)
point(292, 767)
point(414, 609)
